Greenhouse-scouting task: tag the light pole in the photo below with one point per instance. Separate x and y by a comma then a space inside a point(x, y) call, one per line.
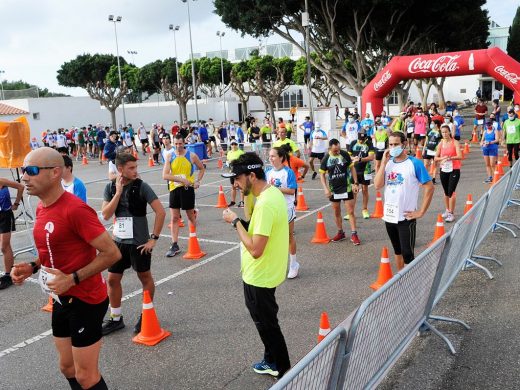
point(133, 53)
point(193, 80)
point(306, 25)
point(220, 35)
point(175, 28)
point(2, 83)
point(118, 20)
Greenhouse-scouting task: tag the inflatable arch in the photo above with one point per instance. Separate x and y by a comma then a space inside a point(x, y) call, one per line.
point(493, 61)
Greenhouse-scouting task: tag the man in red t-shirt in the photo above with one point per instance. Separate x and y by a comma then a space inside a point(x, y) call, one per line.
point(175, 128)
point(73, 248)
point(480, 115)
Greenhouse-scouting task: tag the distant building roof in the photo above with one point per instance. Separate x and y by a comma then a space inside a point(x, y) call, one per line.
point(10, 110)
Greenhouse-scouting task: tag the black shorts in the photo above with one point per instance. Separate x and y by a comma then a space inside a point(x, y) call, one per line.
point(350, 197)
point(7, 224)
point(317, 155)
point(457, 137)
point(131, 256)
point(144, 141)
point(361, 179)
point(426, 156)
point(306, 138)
point(449, 181)
point(212, 139)
point(206, 141)
point(379, 155)
point(182, 198)
point(157, 145)
point(78, 320)
point(419, 137)
point(402, 236)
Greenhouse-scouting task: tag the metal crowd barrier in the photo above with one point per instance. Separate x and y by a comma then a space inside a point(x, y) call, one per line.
point(386, 322)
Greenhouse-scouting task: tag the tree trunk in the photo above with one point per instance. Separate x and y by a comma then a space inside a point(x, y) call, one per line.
point(244, 107)
point(440, 90)
point(183, 110)
point(113, 117)
point(180, 113)
point(270, 106)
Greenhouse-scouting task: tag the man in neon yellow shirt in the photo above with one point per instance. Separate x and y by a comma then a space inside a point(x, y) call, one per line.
point(232, 155)
point(265, 249)
point(512, 135)
point(282, 133)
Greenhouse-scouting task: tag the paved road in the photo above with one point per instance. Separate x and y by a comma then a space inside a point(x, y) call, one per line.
point(213, 339)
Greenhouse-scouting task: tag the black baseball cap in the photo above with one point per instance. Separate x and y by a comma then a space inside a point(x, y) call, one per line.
point(233, 141)
point(238, 169)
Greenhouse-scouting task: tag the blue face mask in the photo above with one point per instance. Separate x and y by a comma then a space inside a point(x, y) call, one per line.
point(394, 152)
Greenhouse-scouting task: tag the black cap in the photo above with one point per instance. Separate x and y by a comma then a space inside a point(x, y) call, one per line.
point(238, 169)
point(233, 141)
point(113, 132)
point(511, 110)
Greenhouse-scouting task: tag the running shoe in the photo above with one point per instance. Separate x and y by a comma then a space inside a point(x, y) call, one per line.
point(488, 180)
point(314, 174)
point(293, 271)
point(110, 326)
point(137, 327)
point(433, 181)
point(365, 214)
point(5, 281)
point(445, 214)
point(338, 237)
point(240, 204)
point(231, 204)
point(355, 239)
point(346, 217)
point(450, 218)
point(265, 368)
point(174, 249)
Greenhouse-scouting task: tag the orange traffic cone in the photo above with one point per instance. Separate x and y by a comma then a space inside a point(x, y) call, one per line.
point(500, 168)
point(505, 160)
point(48, 306)
point(148, 150)
point(301, 205)
point(221, 200)
point(135, 154)
point(474, 140)
point(439, 229)
point(150, 161)
point(320, 234)
point(151, 332)
point(324, 326)
point(385, 271)
point(220, 165)
point(466, 148)
point(181, 222)
point(194, 251)
point(496, 177)
point(378, 211)
point(469, 204)
point(418, 153)
point(85, 161)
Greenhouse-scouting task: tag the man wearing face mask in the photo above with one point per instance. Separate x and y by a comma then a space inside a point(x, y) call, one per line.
point(350, 130)
point(362, 152)
point(512, 136)
point(402, 177)
point(458, 121)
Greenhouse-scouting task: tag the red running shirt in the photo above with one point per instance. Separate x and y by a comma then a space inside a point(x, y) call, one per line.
point(62, 233)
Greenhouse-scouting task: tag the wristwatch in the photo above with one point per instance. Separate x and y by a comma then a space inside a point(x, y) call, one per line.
point(235, 221)
point(154, 237)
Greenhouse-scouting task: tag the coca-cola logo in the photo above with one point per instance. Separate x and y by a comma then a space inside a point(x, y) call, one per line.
point(384, 78)
point(513, 78)
point(441, 64)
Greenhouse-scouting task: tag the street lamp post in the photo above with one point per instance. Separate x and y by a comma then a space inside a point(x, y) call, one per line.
point(132, 53)
point(118, 20)
point(220, 35)
point(306, 25)
point(193, 80)
point(2, 83)
point(176, 28)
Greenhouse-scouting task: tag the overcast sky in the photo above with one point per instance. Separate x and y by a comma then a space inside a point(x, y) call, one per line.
point(37, 36)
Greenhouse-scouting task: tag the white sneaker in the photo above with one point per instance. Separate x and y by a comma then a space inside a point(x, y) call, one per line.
point(450, 217)
point(445, 214)
point(293, 271)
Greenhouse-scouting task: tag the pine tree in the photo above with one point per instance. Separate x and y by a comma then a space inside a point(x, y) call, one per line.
point(513, 42)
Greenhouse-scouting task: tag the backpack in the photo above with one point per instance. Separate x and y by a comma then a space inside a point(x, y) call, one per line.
point(136, 203)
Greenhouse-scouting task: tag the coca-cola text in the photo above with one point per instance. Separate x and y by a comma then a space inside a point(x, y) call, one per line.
point(384, 78)
point(441, 64)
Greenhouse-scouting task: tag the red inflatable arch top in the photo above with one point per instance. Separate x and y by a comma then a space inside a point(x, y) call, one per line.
point(494, 62)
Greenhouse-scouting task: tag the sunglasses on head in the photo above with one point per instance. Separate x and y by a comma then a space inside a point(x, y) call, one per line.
point(33, 170)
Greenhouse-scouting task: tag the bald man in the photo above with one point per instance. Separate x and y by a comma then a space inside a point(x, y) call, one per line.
point(73, 248)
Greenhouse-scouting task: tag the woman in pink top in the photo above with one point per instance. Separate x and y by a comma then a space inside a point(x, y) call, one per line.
point(449, 156)
point(420, 124)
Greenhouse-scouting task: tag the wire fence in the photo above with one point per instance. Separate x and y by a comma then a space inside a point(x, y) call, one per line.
point(386, 323)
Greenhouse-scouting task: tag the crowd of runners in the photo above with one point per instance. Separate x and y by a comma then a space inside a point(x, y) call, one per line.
point(264, 163)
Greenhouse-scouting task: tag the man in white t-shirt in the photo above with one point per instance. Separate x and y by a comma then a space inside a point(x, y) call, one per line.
point(350, 130)
point(318, 146)
point(402, 176)
point(126, 138)
point(143, 137)
point(61, 140)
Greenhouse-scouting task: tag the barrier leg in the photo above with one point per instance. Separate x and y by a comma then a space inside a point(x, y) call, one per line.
point(513, 202)
point(442, 336)
point(502, 224)
point(487, 258)
point(470, 264)
point(448, 319)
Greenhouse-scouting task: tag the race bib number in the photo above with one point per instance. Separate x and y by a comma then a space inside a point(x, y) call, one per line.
point(480, 122)
point(43, 279)
point(447, 166)
point(410, 129)
point(259, 141)
point(430, 152)
point(341, 196)
point(368, 176)
point(511, 129)
point(124, 228)
point(391, 213)
point(380, 145)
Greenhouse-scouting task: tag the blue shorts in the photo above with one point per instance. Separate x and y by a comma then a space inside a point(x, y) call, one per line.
point(490, 151)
